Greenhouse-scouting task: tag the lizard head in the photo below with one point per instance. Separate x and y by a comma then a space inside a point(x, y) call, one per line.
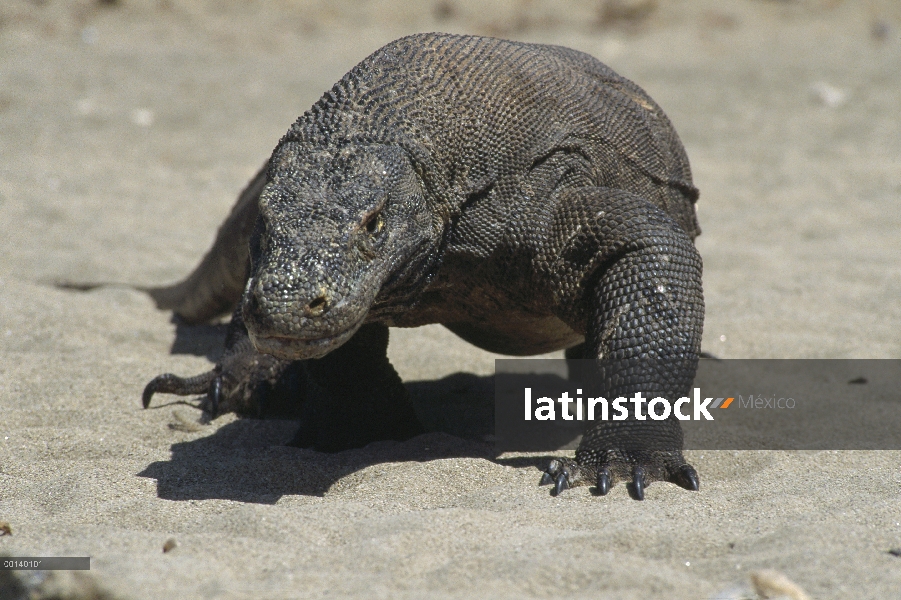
point(339, 229)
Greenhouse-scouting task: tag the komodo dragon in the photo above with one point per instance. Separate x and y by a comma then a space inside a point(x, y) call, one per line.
point(524, 196)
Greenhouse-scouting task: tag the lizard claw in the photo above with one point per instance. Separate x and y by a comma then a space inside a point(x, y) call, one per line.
point(604, 480)
point(563, 473)
point(687, 478)
point(149, 390)
point(215, 395)
point(550, 474)
point(638, 482)
point(173, 384)
point(561, 483)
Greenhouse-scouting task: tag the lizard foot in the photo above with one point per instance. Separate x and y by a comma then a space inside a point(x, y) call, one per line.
point(564, 473)
point(245, 382)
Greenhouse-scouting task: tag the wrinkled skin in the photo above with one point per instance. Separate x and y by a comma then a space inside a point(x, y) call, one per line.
point(525, 196)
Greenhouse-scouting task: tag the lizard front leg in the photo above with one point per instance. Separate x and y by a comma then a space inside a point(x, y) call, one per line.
point(354, 396)
point(644, 311)
point(243, 381)
point(346, 399)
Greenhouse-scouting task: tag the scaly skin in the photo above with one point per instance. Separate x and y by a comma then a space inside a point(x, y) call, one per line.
point(525, 196)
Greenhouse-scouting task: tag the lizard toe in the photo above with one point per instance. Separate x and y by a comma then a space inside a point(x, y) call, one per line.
point(604, 481)
point(638, 471)
point(563, 473)
point(214, 395)
point(686, 477)
point(167, 383)
point(638, 483)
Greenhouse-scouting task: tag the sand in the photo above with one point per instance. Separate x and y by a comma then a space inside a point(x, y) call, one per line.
point(126, 132)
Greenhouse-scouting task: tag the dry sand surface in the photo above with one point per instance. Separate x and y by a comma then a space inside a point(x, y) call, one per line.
point(126, 131)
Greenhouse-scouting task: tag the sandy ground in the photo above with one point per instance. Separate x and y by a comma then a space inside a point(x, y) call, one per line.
point(126, 132)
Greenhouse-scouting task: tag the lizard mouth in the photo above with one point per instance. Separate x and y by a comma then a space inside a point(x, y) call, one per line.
point(292, 348)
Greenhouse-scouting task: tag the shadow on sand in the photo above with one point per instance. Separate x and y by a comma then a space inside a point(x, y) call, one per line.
point(248, 460)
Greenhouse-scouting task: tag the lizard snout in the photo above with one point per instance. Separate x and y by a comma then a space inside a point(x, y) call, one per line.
point(296, 318)
point(288, 312)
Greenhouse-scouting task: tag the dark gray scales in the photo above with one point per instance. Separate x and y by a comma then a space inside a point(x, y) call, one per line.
point(525, 196)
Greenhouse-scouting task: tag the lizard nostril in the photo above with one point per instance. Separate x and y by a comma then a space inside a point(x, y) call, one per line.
point(317, 306)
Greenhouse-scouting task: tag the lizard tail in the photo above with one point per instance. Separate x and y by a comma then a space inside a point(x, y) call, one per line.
point(215, 286)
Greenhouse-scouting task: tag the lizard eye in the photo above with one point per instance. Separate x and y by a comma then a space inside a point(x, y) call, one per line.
point(374, 224)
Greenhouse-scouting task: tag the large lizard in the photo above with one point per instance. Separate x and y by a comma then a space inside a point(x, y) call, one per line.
point(525, 196)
